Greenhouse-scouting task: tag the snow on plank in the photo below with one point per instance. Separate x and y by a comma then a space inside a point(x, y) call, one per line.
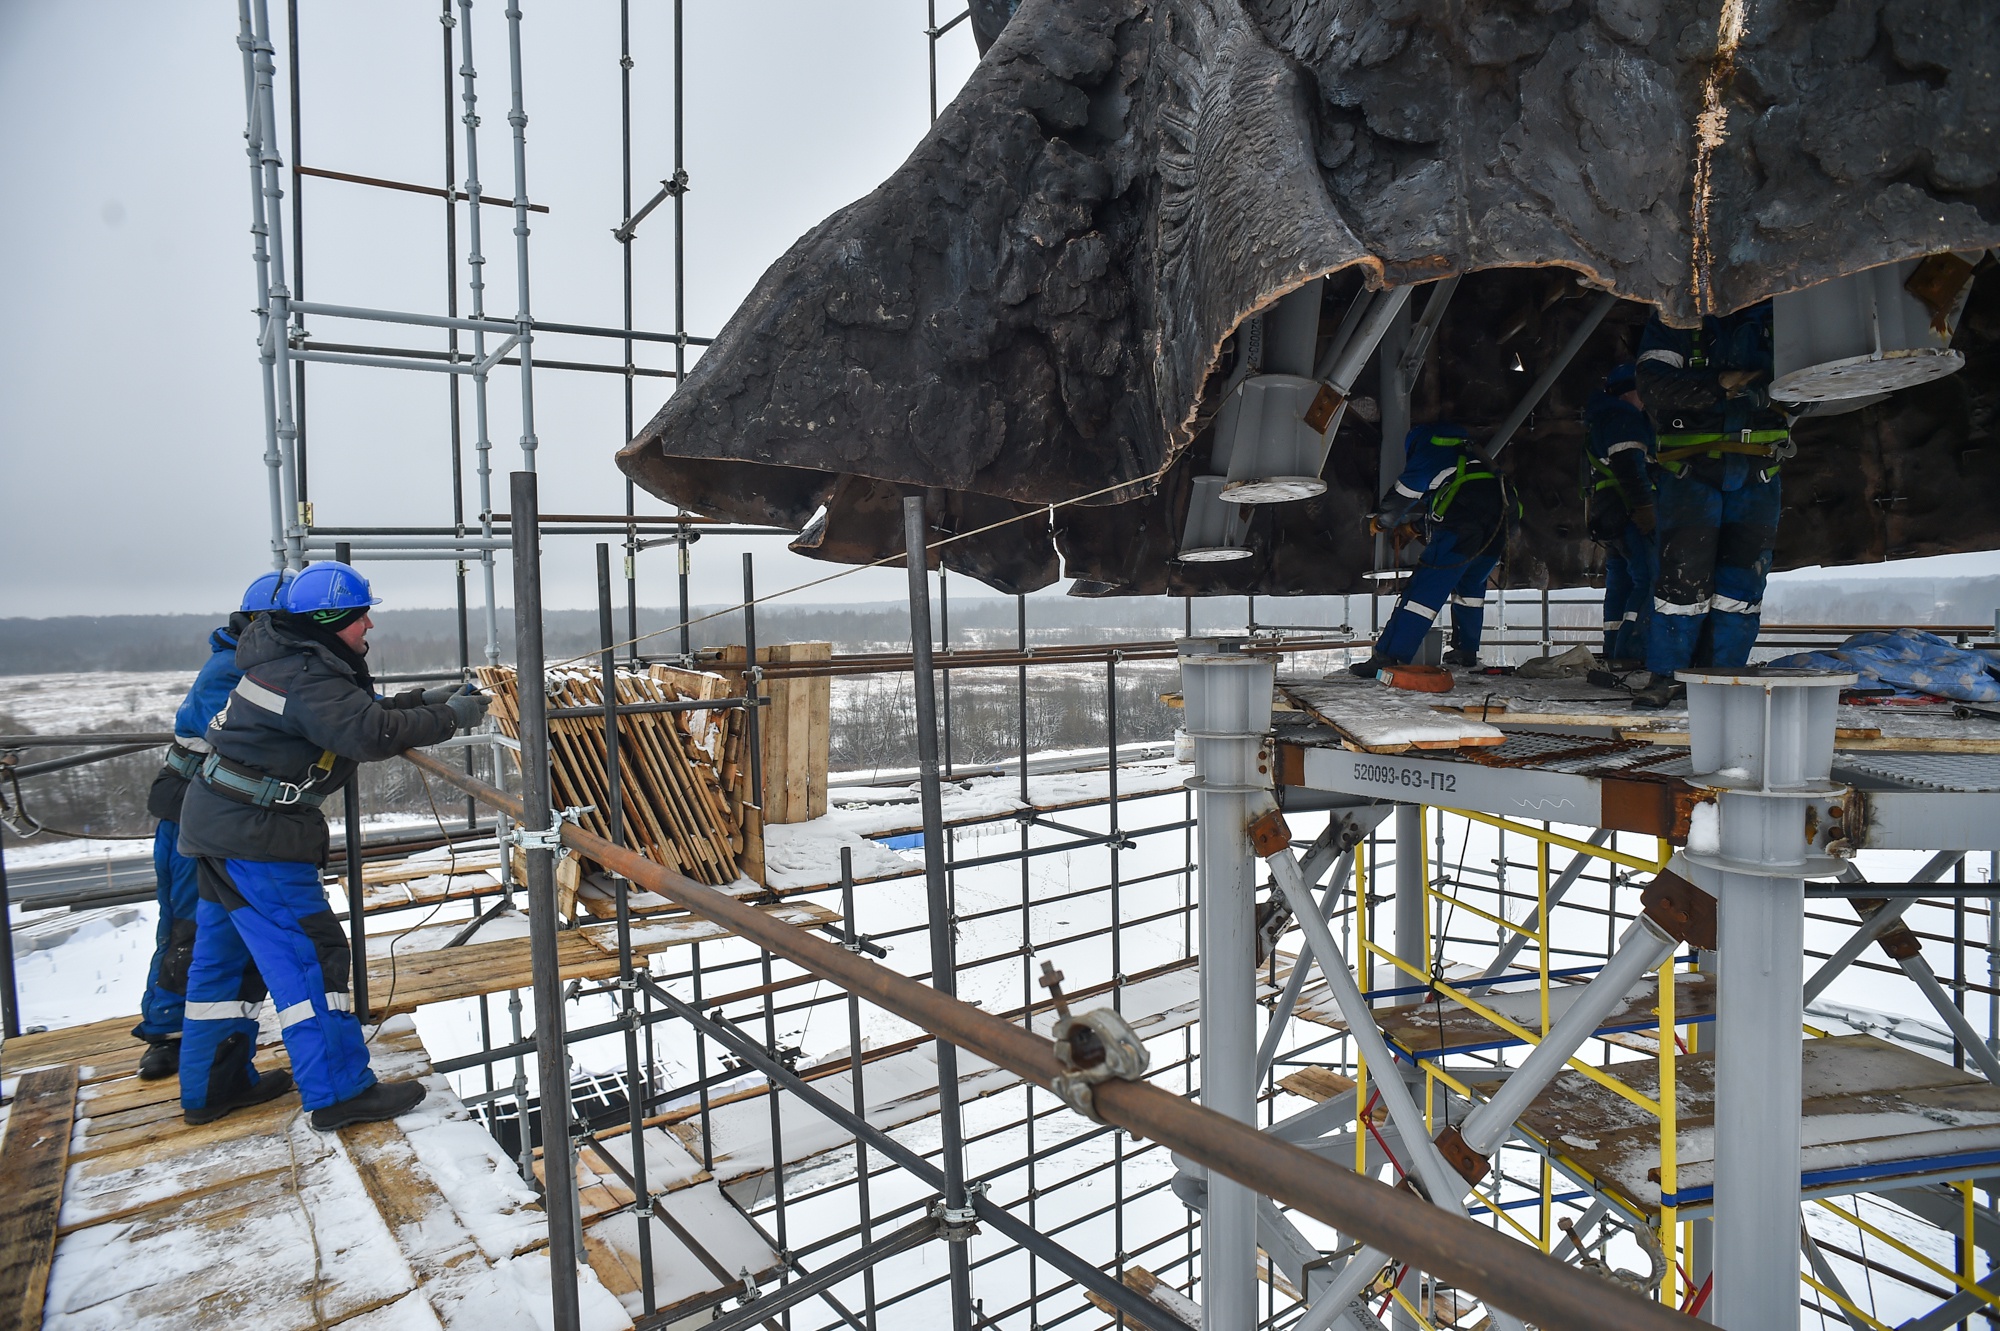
point(800, 857)
point(422, 1223)
point(1871, 1109)
point(33, 1157)
point(1378, 719)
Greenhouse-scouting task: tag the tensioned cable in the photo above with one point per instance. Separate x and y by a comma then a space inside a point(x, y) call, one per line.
point(885, 560)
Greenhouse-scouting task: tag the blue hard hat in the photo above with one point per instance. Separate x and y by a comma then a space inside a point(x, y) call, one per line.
point(1624, 377)
point(266, 593)
point(328, 586)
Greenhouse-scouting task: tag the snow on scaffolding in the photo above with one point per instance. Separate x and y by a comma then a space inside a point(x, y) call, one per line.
point(803, 856)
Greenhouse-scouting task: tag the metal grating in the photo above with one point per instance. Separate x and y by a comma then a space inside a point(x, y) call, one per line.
point(1960, 772)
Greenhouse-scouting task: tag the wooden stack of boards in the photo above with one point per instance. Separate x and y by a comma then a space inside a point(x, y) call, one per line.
point(795, 734)
point(685, 785)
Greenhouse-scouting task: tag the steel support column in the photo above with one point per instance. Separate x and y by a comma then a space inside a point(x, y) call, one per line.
point(1766, 738)
point(537, 821)
point(1228, 701)
point(1412, 933)
point(944, 963)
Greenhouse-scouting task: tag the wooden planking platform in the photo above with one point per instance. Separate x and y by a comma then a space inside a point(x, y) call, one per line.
point(1432, 1030)
point(33, 1159)
point(1377, 719)
point(1872, 1110)
point(257, 1220)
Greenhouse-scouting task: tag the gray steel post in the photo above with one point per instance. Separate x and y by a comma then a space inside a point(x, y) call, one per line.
point(246, 42)
point(475, 263)
point(1228, 700)
point(518, 118)
point(551, 1056)
point(10, 998)
point(637, 1081)
point(357, 920)
point(277, 314)
point(944, 962)
point(1412, 932)
point(1766, 738)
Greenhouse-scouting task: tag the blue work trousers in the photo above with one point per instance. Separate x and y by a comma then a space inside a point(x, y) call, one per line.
point(1447, 571)
point(1630, 568)
point(173, 938)
point(258, 924)
point(1715, 555)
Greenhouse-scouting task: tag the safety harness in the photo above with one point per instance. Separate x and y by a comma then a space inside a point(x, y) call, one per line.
point(184, 762)
point(253, 785)
point(1470, 468)
point(1677, 450)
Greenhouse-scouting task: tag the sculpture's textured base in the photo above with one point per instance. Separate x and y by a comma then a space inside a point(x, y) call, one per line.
point(1034, 307)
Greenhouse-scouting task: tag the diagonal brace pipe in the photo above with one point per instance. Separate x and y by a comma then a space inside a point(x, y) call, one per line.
point(1878, 923)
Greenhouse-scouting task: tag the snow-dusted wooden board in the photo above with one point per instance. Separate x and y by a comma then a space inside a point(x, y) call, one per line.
point(1378, 719)
point(1866, 1103)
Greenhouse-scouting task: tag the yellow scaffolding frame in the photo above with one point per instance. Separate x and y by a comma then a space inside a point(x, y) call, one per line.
point(1674, 1236)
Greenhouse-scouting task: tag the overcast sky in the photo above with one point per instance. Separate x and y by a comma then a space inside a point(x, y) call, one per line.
point(131, 429)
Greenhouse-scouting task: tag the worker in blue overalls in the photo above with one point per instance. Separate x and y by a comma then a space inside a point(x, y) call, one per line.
point(1618, 441)
point(1465, 507)
point(298, 722)
point(1721, 442)
point(174, 873)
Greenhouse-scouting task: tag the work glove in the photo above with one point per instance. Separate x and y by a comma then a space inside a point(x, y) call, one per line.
point(469, 708)
point(442, 693)
point(1644, 519)
point(1738, 383)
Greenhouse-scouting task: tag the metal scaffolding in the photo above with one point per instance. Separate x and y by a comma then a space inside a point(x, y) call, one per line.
point(1311, 1165)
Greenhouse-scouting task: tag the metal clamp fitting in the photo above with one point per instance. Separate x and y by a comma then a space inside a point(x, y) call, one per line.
point(1096, 1047)
point(548, 838)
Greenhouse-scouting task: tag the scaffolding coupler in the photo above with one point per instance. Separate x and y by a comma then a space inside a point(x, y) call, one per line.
point(1096, 1047)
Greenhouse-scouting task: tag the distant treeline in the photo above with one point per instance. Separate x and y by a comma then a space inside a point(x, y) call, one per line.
point(412, 641)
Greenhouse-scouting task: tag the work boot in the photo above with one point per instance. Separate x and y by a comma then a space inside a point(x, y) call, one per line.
point(269, 1086)
point(161, 1060)
point(1371, 667)
point(1654, 691)
point(1459, 656)
point(385, 1099)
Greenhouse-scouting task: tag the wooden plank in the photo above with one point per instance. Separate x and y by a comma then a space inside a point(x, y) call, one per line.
point(33, 1159)
point(1317, 1084)
point(109, 1042)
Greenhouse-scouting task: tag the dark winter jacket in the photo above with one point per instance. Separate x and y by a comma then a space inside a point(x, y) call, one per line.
point(1618, 440)
point(217, 676)
point(301, 696)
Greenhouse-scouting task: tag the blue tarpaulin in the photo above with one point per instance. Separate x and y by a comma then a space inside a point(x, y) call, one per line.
point(1910, 661)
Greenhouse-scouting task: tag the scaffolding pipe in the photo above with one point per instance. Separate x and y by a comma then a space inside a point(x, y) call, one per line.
point(475, 262)
point(1470, 1256)
point(538, 822)
point(638, 1082)
point(944, 961)
point(518, 118)
point(1877, 924)
point(1516, 940)
point(246, 42)
point(263, 139)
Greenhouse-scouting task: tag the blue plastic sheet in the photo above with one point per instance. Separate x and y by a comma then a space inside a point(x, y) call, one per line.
point(1910, 661)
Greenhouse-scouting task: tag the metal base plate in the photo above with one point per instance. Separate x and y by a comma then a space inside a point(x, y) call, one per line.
point(1859, 376)
point(1213, 554)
